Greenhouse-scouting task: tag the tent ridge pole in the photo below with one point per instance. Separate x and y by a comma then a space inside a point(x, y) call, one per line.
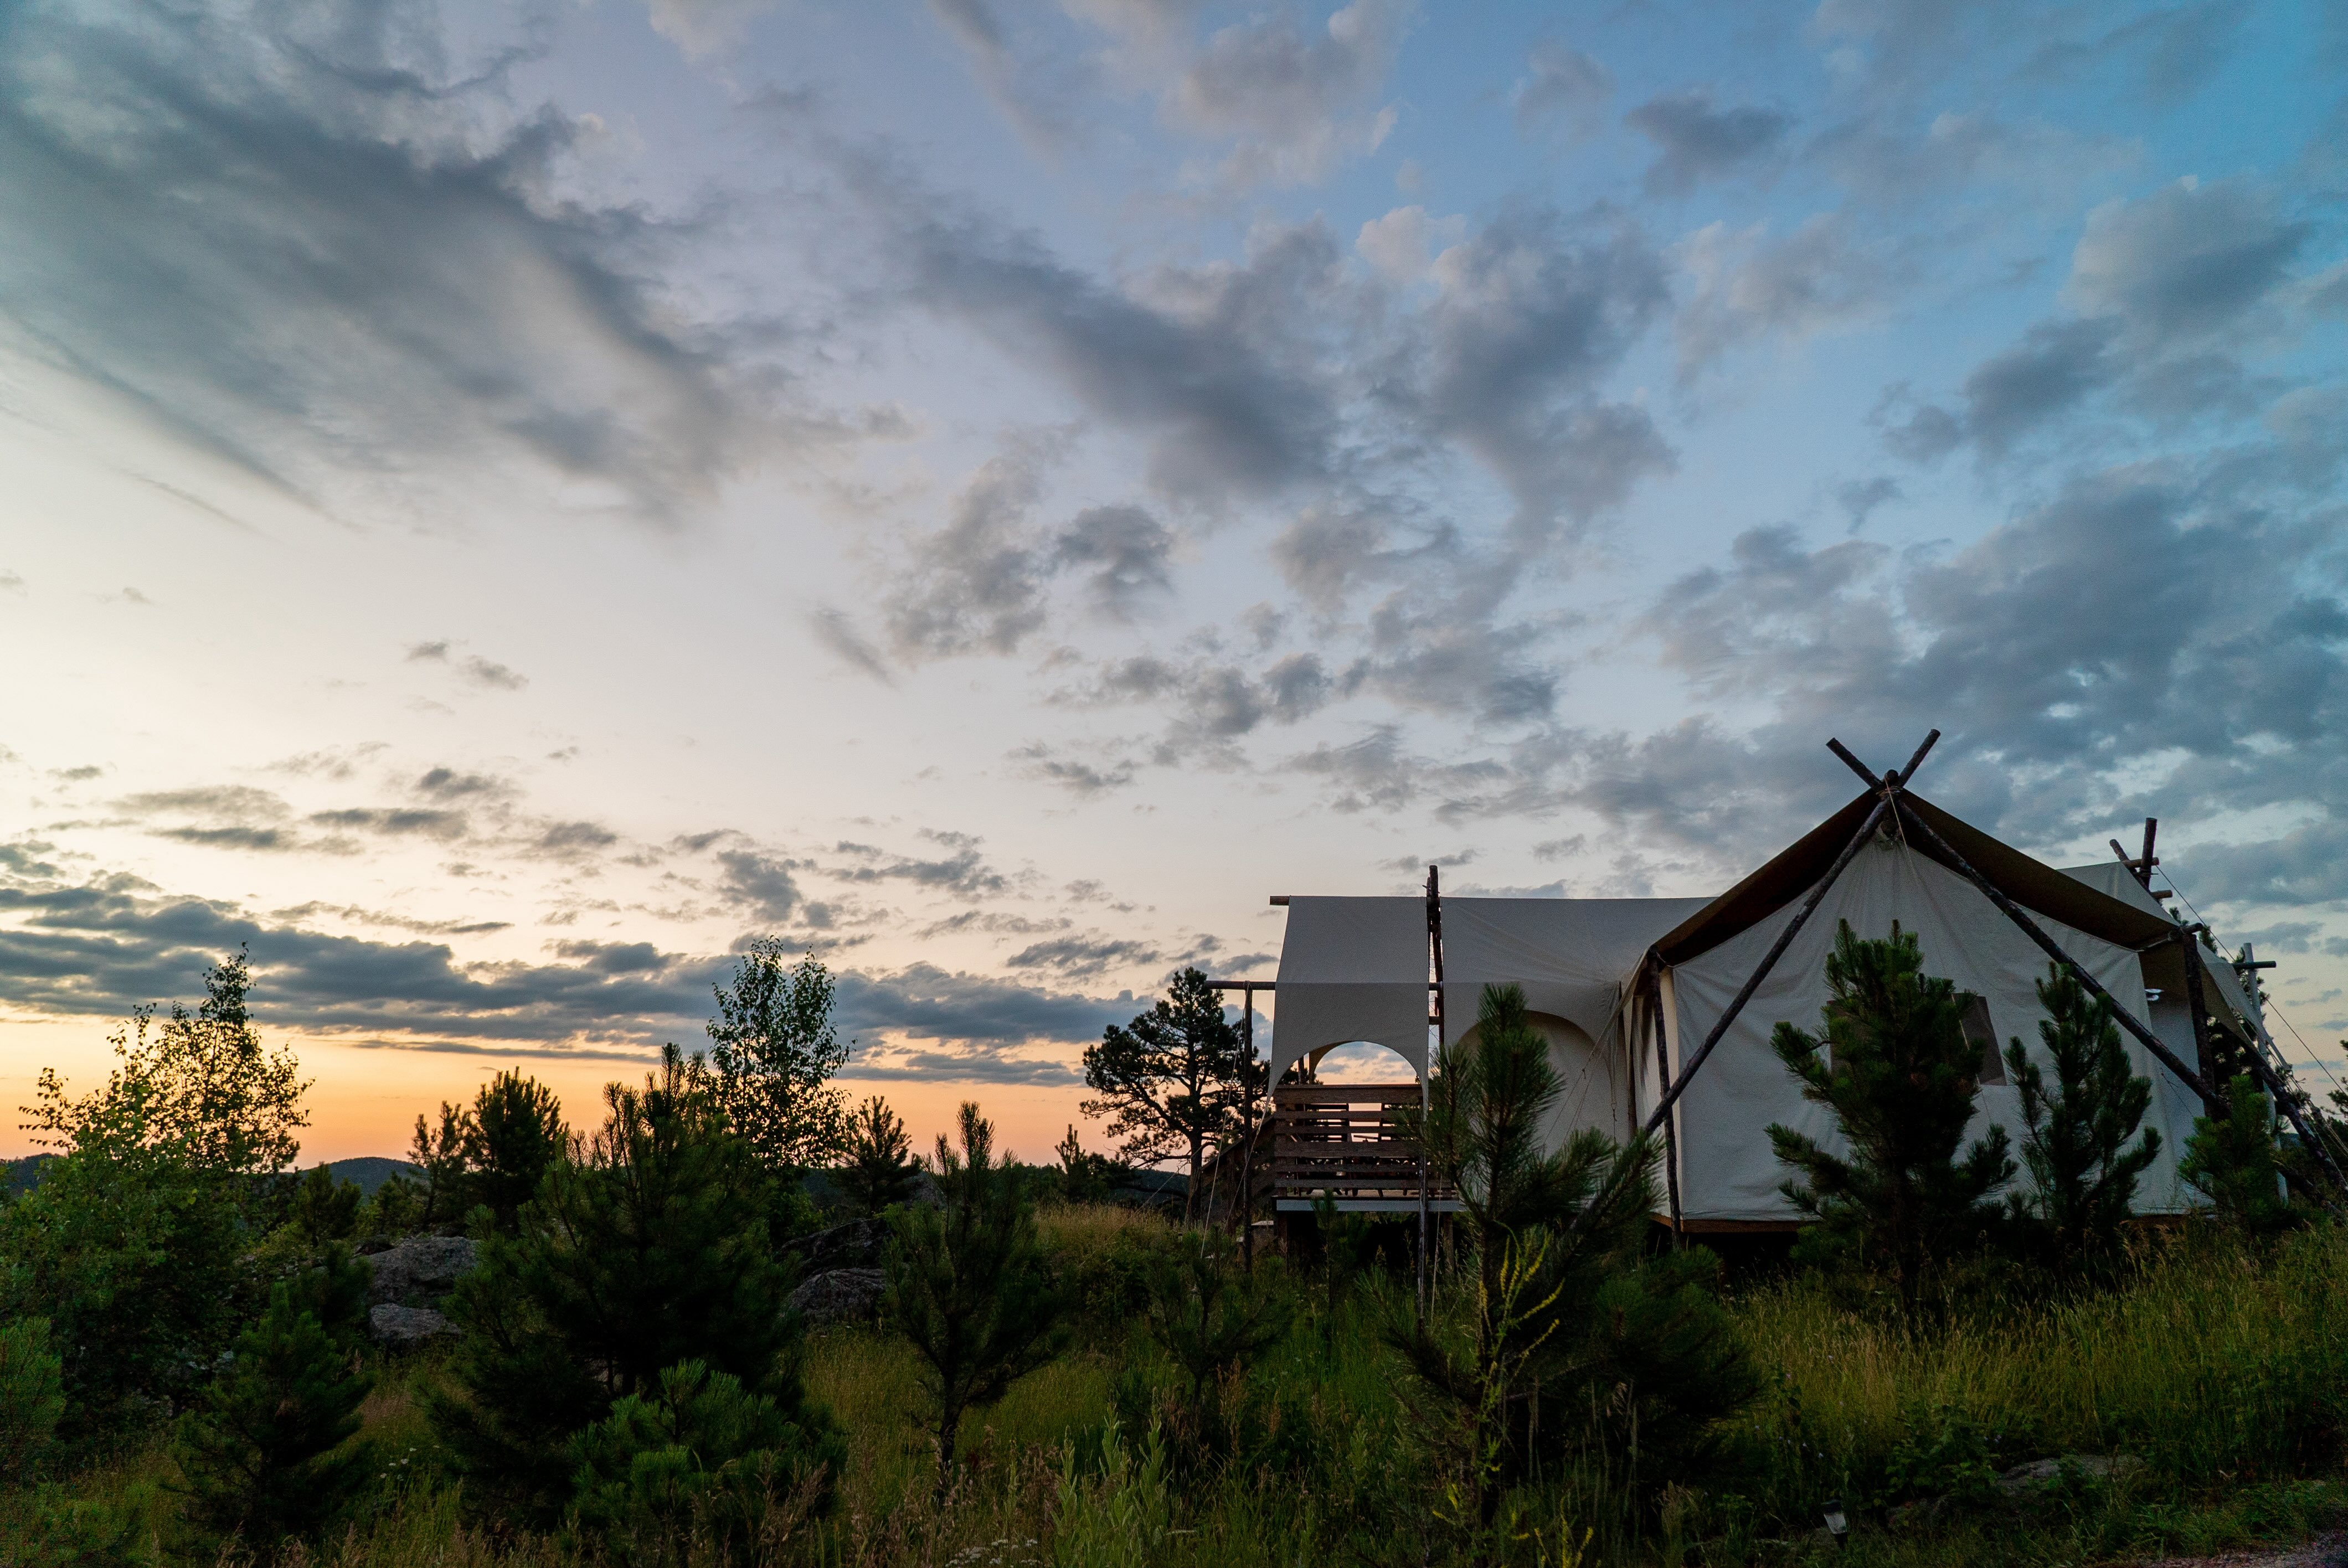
point(1761, 970)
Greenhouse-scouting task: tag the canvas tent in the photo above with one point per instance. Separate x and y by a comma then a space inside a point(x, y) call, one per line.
point(1627, 991)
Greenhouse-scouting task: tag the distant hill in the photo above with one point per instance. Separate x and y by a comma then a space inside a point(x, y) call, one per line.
point(371, 1170)
point(24, 1174)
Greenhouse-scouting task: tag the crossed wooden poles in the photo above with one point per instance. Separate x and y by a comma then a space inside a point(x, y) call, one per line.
point(1891, 804)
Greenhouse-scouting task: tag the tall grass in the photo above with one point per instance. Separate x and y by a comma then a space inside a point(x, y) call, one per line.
point(2221, 1366)
point(2219, 1363)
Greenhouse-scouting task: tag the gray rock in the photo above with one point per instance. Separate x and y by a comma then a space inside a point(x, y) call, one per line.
point(859, 1243)
point(2041, 1472)
point(420, 1270)
point(840, 1296)
point(405, 1328)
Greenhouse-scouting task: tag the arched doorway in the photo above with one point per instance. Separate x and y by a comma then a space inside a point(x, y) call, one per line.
point(1592, 1093)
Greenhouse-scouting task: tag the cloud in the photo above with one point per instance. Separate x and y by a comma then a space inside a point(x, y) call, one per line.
point(1563, 92)
point(760, 883)
point(474, 669)
point(1530, 318)
point(1696, 142)
point(977, 584)
point(1294, 98)
point(104, 948)
point(961, 871)
point(1859, 498)
point(1084, 957)
point(1084, 780)
point(2189, 262)
point(399, 822)
point(317, 241)
point(703, 27)
point(1208, 364)
point(1123, 552)
point(1816, 279)
point(2055, 368)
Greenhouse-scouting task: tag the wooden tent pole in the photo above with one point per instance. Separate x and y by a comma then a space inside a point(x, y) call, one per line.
point(2048, 945)
point(1426, 1098)
point(1663, 1071)
point(1247, 1135)
point(1761, 970)
point(2206, 1058)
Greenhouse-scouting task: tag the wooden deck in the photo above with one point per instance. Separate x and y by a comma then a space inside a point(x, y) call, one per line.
point(1337, 1140)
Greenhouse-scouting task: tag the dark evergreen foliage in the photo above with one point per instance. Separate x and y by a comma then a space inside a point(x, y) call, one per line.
point(2083, 1172)
point(1176, 1080)
point(772, 1054)
point(1568, 1340)
point(880, 1171)
point(1894, 1066)
point(265, 1457)
point(514, 1136)
point(2231, 1161)
point(697, 1468)
point(969, 1285)
point(654, 1249)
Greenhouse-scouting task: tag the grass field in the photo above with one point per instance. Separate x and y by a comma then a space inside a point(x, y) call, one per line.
point(2220, 1367)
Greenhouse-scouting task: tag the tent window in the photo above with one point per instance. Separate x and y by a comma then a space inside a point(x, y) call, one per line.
point(1983, 1035)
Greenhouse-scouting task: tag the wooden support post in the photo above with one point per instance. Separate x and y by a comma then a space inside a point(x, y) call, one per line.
point(1426, 1100)
point(1663, 1074)
point(2205, 1055)
point(1247, 1137)
point(1761, 970)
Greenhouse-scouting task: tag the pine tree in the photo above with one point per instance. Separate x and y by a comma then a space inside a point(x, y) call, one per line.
point(698, 1469)
point(968, 1286)
point(324, 1209)
point(652, 1249)
point(2082, 1171)
point(879, 1171)
point(32, 1396)
point(512, 1134)
point(2231, 1159)
point(1627, 1356)
point(1895, 1068)
point(1176, 1080)
point(263, 1457)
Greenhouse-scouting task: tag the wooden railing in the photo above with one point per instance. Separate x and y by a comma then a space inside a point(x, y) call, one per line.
point(1337, 1139)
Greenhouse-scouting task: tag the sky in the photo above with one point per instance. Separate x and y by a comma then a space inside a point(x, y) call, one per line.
point(507, 503)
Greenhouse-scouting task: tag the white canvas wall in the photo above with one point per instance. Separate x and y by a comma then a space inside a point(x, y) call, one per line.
point(1728, 1170)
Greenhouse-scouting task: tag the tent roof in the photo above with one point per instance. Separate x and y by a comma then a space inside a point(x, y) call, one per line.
point(2031, 883)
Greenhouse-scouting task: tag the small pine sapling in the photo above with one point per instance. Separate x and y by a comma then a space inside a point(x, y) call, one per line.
point(2230, 1160)
point(881, 1172)
point(1213, 1320)
point(265, 1457)
point(2082, 1171)
point(697, 1468)
point(968, 1286)
point(1895, 1067)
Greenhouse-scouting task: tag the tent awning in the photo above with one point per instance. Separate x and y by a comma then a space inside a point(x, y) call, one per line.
point(1352, 970)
